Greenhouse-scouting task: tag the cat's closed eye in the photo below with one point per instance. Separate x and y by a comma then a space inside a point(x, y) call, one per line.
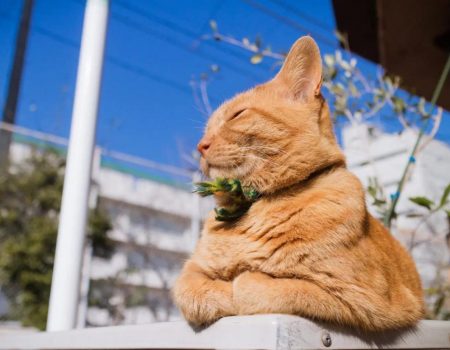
point(237, 114)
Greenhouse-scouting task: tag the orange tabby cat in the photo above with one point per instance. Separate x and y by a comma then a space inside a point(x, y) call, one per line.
point(308, 246)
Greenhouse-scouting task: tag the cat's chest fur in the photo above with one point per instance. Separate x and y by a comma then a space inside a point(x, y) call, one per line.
point(252, 243)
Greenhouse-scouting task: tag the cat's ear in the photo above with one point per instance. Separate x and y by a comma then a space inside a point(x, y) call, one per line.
point(302, 69)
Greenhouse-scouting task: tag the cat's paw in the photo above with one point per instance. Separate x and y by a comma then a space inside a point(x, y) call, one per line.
point(202, 307)
point(248, 292)
point(200, 313)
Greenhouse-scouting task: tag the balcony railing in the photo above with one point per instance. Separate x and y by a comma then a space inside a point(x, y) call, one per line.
point(245, 332)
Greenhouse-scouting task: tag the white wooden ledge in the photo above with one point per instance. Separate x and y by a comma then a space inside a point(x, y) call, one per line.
point(246, 332)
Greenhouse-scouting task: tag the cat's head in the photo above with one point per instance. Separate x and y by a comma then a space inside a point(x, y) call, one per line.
point(277, 133)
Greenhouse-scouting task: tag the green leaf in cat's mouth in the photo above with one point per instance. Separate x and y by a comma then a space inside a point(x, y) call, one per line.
point(238, 198)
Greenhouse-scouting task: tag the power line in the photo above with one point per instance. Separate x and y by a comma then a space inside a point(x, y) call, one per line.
point(174, 42)
point(56, 37)
point(171, 25)
point(114, 61)
point(289, 22)
point(118, 62)
point(152, 76)
point(111, 59)
point(302, 15)
point(182, 30)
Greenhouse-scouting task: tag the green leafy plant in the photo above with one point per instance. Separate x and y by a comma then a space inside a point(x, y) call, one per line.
point(233, 198)
point(30, 196)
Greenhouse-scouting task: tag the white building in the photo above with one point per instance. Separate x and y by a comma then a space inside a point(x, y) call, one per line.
point(155, 225)
point(371, 153)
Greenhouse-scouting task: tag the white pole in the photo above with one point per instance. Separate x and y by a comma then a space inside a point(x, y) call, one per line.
point(74, 206)
point(82, 309)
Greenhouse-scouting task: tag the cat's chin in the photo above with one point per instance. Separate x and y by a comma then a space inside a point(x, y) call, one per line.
point(214, 171)
point(217, 172)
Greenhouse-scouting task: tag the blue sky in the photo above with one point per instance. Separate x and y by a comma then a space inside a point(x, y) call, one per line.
point(153, 51)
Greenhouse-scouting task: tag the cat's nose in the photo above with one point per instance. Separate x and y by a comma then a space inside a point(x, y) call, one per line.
point(203, 146)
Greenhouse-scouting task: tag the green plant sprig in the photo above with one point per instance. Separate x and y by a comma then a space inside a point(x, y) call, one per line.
point(235, 199)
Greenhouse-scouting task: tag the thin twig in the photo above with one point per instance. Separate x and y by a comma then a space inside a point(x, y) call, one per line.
point(436, 94)
point(433, 132)
point(205, 98)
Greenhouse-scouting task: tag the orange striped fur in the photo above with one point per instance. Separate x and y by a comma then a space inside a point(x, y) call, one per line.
point(308, 247)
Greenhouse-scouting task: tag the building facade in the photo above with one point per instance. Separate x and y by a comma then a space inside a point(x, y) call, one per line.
point(155, 226)
point(374, 155)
